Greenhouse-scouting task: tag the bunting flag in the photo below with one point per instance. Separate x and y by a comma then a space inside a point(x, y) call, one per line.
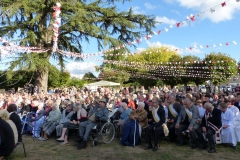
point(107, 53)
point(56, 25)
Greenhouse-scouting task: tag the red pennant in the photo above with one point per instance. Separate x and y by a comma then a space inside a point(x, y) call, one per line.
point(148, 37)
point(190, 48)
point(178, 24)
point(138, 40)
point(207, 46)
point(129, 43)
point(227, 44)
point(223, 4)
point(193, 18)
point(159, 32)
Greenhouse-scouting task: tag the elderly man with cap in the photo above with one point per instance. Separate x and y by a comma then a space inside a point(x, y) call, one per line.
point(98, 114)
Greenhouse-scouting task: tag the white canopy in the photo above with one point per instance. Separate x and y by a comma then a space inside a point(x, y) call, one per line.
point(103, 83)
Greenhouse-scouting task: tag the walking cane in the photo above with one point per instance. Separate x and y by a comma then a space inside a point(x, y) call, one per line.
point(134, 134)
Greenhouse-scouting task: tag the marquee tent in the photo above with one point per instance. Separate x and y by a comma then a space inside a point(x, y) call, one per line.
point(102, 83)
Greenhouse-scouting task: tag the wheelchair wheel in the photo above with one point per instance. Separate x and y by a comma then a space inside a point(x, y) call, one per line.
point(107, 132)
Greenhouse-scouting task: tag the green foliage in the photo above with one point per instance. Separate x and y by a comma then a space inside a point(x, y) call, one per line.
point(76, 82)
point(57, 78)
point(32, 23)
point(89, 77)
point(224, 67)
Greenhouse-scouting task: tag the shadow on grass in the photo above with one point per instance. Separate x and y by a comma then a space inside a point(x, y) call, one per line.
point(51, 149)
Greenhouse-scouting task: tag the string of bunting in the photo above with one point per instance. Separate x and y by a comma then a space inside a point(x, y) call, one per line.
point(56, 25)
point(108, 53)
point(177, 73)
point(161, 64)
point(188, 19)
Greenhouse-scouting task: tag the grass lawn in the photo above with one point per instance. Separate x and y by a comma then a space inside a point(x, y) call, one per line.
point(50, 149)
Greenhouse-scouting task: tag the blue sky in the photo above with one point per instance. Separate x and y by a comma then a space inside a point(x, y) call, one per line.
point(220, 26)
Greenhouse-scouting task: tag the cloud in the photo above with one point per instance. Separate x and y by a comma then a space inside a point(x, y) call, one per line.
point(137, 10)
point(159, 44)
point(78, 69)
point(193, 51)
point(176, 12)
point(220, 14)
point(172, 47)
point(149, 6)
point(165, 20)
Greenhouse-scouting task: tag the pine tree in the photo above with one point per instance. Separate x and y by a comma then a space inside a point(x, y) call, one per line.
point(30, 23)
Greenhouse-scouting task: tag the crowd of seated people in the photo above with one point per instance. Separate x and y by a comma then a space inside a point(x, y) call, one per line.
point(182, 117)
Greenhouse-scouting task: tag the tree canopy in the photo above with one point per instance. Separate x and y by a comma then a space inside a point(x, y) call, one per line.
point(30, 23)
point(158, 65)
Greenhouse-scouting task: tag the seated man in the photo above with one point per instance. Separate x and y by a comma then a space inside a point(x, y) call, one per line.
point(211, 124)
point(124, 117)
point(155, 128)
point(99, 113)
point(231, 107)
point(236, 124)
point(227, 134)
point(12, 108)
point(187, 120)
point(174, 110)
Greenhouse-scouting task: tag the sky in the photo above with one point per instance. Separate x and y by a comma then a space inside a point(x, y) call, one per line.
point(211, 28)
point(222, 25)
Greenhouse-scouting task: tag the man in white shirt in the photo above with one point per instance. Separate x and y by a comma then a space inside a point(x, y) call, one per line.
point(233, 108)
point(227, 134)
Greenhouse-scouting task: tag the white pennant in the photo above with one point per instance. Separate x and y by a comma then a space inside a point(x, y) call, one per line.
point(212, 10)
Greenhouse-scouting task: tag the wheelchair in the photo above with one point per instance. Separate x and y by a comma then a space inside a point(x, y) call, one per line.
point(27, 123)
point(104, 132)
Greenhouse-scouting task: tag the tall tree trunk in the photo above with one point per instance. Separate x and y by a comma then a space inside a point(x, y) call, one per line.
point(42, 73)
point(42, 79)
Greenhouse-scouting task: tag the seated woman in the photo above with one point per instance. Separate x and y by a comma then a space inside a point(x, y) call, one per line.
point(138, 120)
point(39, 114)
point(4, 115)
point(12, 108)
point(79, 115)
point(51, 121)
point(124, 117)
point(41, 118)
point(6, 139)
point(65, 117)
